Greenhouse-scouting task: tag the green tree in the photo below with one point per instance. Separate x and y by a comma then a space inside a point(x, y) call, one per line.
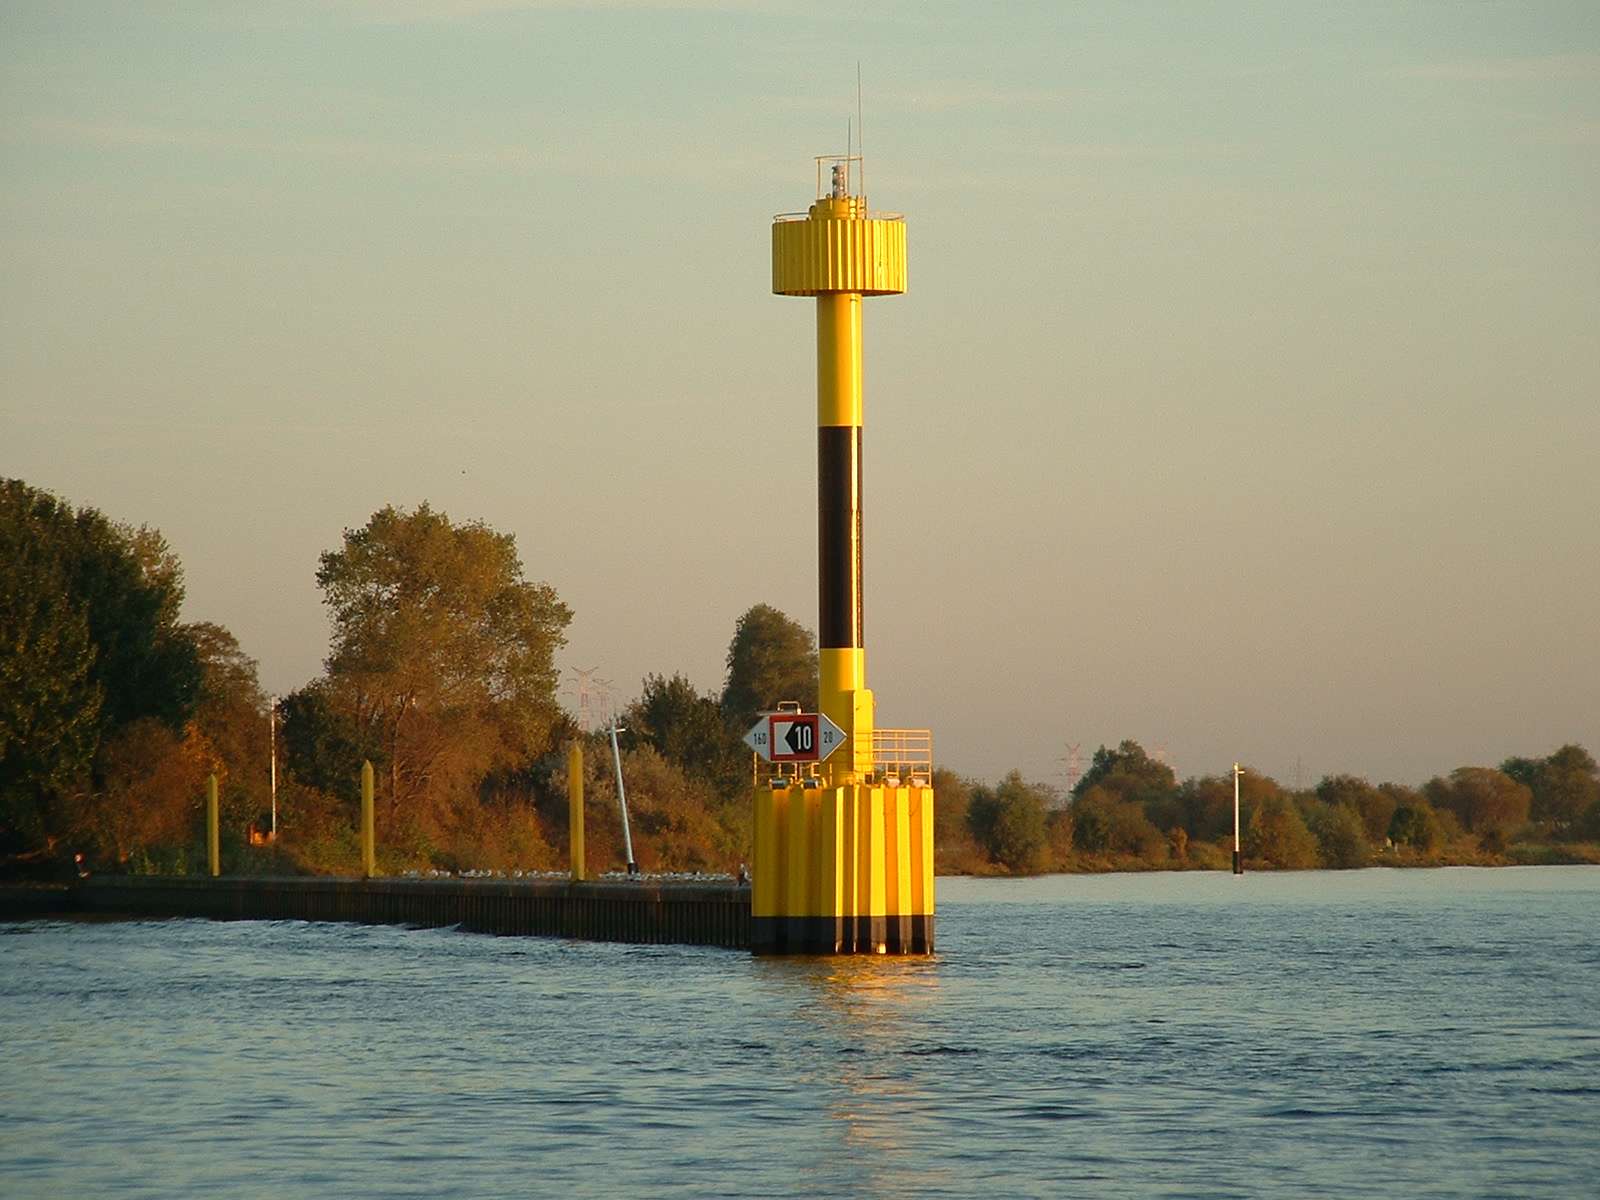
point(1341, 832)
point(1205, 807)
point(1374, 805)
point(687, 730)
point(89, 645)
point(1485, 800)
point(232, 714)
point(1563, 785)
point(771, 659)
point(1008, 820)
point(324, 746)
point(1277, 835)
point(441, 650)
point(1104, 823)
point(1128, 773)
point(1416, 824)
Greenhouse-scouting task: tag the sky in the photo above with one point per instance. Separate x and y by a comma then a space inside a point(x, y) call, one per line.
point(1245, 399)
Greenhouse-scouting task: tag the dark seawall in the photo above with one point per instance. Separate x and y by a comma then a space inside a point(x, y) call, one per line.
point(658, 911)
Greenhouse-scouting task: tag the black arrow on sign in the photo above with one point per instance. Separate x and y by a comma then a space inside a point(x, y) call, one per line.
point(797, 738)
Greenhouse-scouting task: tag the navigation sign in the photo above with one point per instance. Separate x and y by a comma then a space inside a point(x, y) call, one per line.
point(794, 737)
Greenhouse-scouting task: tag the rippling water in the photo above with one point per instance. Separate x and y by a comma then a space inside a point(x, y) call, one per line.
point(1373, 1033)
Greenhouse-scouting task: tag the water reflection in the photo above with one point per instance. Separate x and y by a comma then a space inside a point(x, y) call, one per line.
point(860, 1022)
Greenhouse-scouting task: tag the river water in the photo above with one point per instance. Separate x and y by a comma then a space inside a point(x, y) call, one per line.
point(1371, 1033)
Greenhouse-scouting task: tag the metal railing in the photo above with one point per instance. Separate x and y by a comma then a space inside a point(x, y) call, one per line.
point(866, 216)
point(903, 756)
point(900, 757)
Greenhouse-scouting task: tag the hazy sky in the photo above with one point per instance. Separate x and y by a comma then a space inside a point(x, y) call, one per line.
point(1246, 397)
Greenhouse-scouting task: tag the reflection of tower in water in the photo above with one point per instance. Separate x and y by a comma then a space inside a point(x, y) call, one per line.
point(858, 1021)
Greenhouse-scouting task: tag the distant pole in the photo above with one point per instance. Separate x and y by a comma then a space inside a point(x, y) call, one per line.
point(213, 833)
point(369, 851)
point(622, 799)
point(272, 737)
point(1238, 852)
point(575, 808)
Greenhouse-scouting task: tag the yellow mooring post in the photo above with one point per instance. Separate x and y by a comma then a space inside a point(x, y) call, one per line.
point(844, 865)
point(213, 828)
point(575, 807)
point(369, 844)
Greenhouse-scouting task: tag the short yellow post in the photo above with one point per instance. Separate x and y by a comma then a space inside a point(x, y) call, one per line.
point(369, 852)
point(575, 807)
point(213, 833)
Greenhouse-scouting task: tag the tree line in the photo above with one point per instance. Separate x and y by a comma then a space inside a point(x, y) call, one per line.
point(1129, 811)
point(441, 672)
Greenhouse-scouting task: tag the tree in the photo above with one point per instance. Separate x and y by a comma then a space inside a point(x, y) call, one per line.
point(89, 645)
point(1563, 785)
point(1341, 832)
point(1008, 821)
point(232, 714)
point(1374, 805)
point(684, 728)
point(1103, 823)
point(1416, 824)
point(441, 650)
point(1486, 800)
point(1277, 835)
point(771, 659)
point(323, 746)
point(1129, 774)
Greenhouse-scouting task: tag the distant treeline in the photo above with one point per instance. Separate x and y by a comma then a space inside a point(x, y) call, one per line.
point(1130, 812)
point(441, 672)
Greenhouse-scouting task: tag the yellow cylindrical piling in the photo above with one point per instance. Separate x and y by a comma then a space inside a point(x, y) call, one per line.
point(369, 842)
point(847, 865)
point(575, 809)
point(213, 828)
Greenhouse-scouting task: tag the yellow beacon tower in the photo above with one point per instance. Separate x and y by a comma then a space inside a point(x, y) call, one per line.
point(843, 860)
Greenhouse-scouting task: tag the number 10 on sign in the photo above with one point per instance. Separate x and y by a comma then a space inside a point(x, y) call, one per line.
point(794, 737)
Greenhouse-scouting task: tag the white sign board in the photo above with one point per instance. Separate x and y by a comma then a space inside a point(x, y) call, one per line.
point(794, 737)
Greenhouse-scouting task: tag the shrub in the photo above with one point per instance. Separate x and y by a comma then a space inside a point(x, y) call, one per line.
point(1102, 824)
point(1008, 821)
point(1278, 836)
point(1342, 836)
point(1417, 825)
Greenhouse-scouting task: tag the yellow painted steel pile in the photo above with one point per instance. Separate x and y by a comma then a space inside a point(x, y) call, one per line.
point(843, 859)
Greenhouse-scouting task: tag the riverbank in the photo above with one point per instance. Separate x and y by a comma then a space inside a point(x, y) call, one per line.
point(1205, 856)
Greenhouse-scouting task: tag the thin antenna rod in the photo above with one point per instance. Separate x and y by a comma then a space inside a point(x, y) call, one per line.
point(861, 136)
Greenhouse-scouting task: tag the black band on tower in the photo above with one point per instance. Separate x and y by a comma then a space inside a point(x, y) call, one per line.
point(839, 557)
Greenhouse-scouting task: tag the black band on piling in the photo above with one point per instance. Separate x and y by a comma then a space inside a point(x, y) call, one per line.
point(839, 557)
point(904, 934)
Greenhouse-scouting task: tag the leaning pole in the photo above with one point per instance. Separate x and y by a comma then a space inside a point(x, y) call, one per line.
point(843, 856)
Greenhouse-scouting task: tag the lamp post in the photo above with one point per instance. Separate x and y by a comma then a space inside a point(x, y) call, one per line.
point(1238, 853)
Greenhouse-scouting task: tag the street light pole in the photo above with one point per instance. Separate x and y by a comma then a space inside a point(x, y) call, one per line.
point(1238, 853)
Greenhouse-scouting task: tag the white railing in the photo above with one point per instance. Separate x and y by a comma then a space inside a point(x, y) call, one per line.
point(900, 757)
point(903, 756)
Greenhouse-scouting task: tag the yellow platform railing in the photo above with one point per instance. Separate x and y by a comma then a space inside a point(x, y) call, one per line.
point(900, 758)
point(903, 756)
